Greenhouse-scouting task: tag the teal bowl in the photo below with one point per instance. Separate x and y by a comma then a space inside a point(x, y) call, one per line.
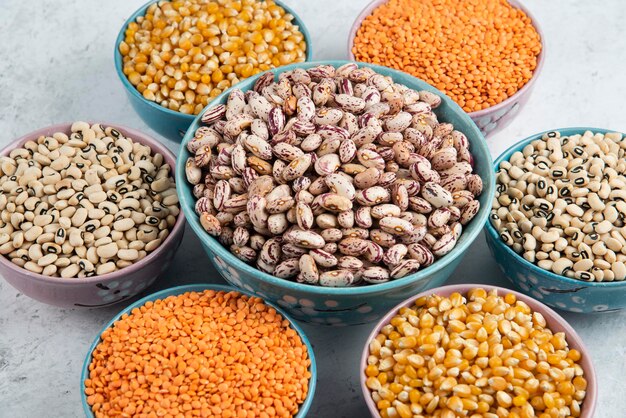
point(169, 123)
point(352, 305)
point(554, 290)
point(304, 408)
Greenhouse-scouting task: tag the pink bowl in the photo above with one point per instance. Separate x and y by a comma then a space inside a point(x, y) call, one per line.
point(555, 322)
point(494, 118)
point(107, 289)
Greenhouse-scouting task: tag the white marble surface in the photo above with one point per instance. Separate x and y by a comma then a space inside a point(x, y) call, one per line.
point(56, 65)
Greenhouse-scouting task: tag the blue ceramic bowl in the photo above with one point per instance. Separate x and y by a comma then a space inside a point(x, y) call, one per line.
point(353, 305)
point(552, 289)
point(167, 122)
point(304, 408)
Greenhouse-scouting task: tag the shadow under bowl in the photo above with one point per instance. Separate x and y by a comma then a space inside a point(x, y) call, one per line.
point(351, 305)
point(107, 289)
point(166, 122)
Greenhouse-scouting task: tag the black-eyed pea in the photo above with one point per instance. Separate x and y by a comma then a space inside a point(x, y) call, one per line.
point(76, 238)
point(126, 254)
point(6, 248)
point(152, 245)
point(70, 271)
point(28, 265)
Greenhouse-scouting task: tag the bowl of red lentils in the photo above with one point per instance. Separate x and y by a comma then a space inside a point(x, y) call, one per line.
point(476, 350)
point(199, 350)
point(174, 57)
point(486, 56)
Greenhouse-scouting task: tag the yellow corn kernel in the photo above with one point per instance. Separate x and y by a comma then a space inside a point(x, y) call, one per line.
point(187, 109)
point(383, 404)
point(217, 76)
point(382, 378)
point(497, 383)
point(403, 410)
point(510, 298)
point(482, 407)
point(519, 401)
point(371, 371)
point(580, 383)
point(574, 355)
point(395, 387)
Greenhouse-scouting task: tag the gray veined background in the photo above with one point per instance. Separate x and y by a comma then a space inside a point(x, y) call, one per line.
point(56, 65)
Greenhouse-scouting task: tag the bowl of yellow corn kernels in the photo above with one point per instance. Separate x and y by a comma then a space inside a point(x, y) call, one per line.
point(476, 350)
point(174, 57)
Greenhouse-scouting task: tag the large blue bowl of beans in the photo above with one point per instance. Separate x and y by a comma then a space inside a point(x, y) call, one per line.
point(554, 290)
point(348, 305)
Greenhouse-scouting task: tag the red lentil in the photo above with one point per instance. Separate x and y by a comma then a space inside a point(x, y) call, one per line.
point(204, 354)
point(478, 52)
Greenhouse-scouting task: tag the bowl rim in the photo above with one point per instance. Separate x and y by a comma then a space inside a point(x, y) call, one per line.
point(477, 114)
point(141, 11)
point(217, 248)
point(518, 146)
point(551, 317)
point(178, 290)
point(135, 135)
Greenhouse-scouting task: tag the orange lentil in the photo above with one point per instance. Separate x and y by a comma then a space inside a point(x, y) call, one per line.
point(478, 52)
point(209, 354)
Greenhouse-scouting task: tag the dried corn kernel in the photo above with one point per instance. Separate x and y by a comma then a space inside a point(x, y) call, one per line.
point(214, 44)
point(484, 354)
